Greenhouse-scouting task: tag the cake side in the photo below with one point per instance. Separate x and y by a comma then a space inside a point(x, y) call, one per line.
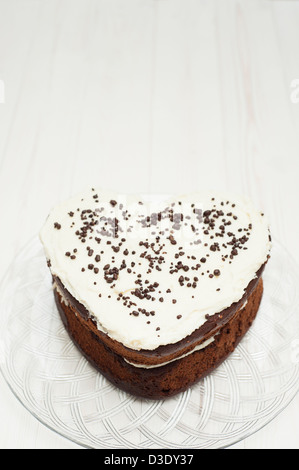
point(164, 380)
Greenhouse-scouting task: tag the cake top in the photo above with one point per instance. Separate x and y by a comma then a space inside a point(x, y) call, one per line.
point(150, 270)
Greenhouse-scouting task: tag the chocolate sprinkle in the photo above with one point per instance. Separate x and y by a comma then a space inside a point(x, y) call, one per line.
point(187, 270)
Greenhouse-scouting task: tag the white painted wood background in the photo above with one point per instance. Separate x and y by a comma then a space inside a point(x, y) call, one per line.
point(151, 96)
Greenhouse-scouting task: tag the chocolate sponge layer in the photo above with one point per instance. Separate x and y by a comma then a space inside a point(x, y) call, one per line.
point(167, 380)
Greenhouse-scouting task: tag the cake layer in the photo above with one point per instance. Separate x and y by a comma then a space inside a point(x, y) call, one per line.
point(164, 380)
point(151, 274)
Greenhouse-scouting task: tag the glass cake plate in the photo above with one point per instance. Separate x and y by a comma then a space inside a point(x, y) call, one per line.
point(62, 390)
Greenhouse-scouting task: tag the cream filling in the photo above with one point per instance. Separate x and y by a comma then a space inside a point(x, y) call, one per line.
point(197, 348)
point(64, 300)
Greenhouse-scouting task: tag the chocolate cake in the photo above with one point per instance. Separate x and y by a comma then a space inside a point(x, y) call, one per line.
point(156, 292)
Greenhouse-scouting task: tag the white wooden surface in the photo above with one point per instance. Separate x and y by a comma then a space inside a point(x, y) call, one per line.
point(146, 95)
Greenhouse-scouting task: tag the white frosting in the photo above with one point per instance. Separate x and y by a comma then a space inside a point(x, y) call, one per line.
point(76, 232)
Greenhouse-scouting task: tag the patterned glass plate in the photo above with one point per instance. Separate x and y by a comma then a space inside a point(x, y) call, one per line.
point(62, 390)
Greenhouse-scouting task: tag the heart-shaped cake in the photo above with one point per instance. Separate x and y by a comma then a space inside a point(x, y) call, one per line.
point(156, 291)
